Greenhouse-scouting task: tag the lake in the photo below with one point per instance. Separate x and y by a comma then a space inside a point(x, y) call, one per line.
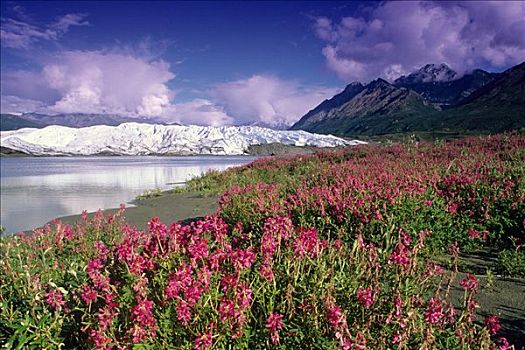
point(35, 190)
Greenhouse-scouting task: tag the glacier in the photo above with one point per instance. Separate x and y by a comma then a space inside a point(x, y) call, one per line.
point(154, 139)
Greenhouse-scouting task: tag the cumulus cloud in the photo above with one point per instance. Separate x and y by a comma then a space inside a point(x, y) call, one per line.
point(398, 37)
point(94, 82)
point(15, 104)
point(268, 99)
point(198, 112)
point(21, 34)
point(98, 82)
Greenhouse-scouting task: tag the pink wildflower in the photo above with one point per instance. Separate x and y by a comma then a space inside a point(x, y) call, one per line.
point(400, 255)
point(470, 283)
point(474, 234)
point(274, 323)
point(504, 344)
point(226, 310)
point(433, 269)
point(88, 294)
point(55, 300)
point(364, 296)
point(492, 324)
point(204, 341)
point(434, 312)
point(307, 244)
point(453, 249)
point(335, 315)
point(99, 339)
point(105, 316)
point(183, 313)
point(243, 296)
point(266, 272)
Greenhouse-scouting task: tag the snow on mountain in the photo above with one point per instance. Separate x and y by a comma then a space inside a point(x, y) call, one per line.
point(144, 139)
point(429, 73)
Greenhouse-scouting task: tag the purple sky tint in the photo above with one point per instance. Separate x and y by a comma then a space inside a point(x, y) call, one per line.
point(237, 62)
point(399, 37)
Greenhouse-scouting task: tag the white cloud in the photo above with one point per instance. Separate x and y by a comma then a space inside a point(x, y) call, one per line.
point(197, 112)
point(268, 100)
point(120, 83)
point(399, 37)
point(14, 104)
point(21, 35)
point(98, 82)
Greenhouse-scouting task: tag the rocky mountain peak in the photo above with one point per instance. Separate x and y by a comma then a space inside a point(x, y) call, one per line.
point(429, 73)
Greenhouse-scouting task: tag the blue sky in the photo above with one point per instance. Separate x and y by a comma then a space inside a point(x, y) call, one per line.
point(235, 62)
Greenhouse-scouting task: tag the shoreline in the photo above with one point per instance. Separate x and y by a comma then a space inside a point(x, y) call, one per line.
point(169, 206)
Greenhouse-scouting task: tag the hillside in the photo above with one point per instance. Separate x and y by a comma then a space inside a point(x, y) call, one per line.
point(73, 120)
point(445, 91)
point(382, 108)
point(14, 122)
point(377, 107)
point(496, 107)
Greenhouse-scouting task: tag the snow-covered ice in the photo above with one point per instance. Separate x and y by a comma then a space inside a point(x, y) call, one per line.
point(148, 139)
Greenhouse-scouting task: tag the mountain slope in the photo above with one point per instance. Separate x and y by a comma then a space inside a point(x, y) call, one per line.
point(445, 92)
point(378, 107)
point(14, 122)
point(144, 139)
point(381, 108)
point(430, 73)
point(496, 107)
point(74, 120)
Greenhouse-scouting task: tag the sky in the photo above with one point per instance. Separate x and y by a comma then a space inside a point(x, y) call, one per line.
point(235, 63)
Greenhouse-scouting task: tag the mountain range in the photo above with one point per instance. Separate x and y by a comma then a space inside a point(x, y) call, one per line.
point(434, 98)
point(74, 120)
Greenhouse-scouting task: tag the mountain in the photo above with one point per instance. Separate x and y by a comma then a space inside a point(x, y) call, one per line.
point(429, 73)
point(478, 102)
point(497, 106)
point(75, 120)
point(14, 122)
point(441, 85)
point(365, 110)
point(148, 139)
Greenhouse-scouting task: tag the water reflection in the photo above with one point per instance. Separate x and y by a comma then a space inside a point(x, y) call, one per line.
point(36, 190)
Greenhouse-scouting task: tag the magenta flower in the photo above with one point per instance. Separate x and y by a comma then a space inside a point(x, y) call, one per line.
point(335, 315)
point(492, 324)
point(273, 324)
point(266, 272)
point(474, 234)
point(105, 316)
point(400, 255)
point(226, 310)
point(204, 341)
point(470, 283)
point(307, 244)
point(434, 312)
point(364, 296)
point(88, 294)
point(99, 339)
point(504, 344)
point(55, 300)
point(183, 313)
point(243, 296)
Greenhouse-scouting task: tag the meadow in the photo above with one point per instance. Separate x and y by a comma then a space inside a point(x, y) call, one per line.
point(349, 249)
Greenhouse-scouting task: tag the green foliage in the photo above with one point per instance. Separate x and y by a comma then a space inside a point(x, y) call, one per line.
point(512, 262)
point(311, 252)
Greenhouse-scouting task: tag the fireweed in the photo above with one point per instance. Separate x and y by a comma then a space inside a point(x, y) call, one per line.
point(333, 254)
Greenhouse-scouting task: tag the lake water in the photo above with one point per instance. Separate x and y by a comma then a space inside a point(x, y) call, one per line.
point(35, 190)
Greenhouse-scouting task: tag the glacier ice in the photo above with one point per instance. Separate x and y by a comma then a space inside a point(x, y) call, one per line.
point(154, 139)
